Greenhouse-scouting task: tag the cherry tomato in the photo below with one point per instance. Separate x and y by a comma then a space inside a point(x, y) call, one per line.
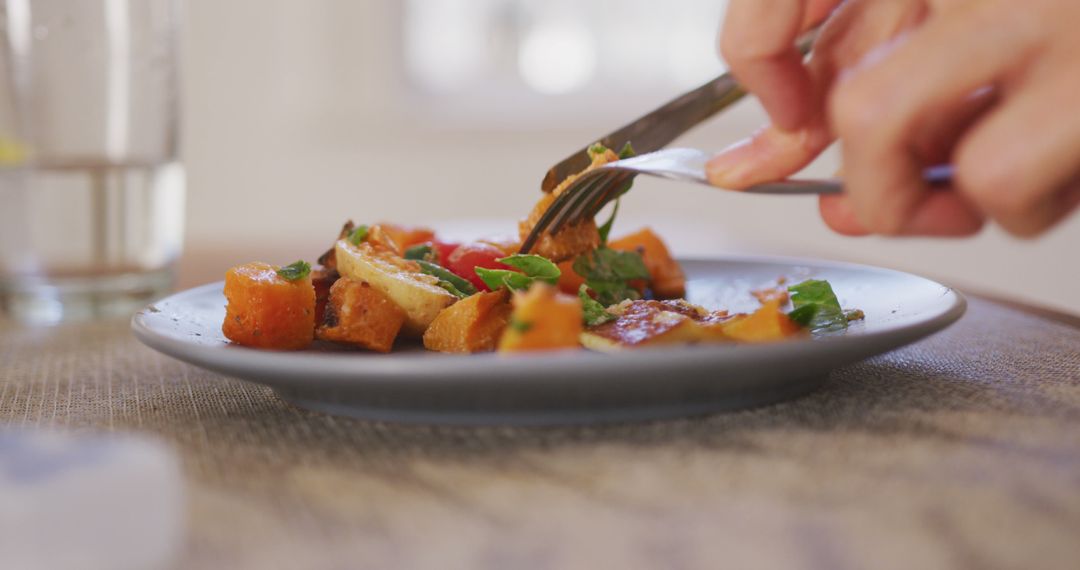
point(467, 257)
point(443, 249)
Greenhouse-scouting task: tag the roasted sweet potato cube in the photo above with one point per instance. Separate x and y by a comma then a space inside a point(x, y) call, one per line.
point(360, 315)
point(766, 324)
point(473, 324)
point(569, 280)
point(266, 310)
point(542, 319)
point(668, 279)
point(405, 237)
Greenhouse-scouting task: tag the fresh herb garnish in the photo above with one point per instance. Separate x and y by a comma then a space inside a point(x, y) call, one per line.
point(448, 280)
point(816, 306)
point(595, 150)
point(536, 266)
point(420, 251)
point(605, 229)
point(533, 268)
point(594, 312)
point(295, 271)
point(495, 278)
point(608, 272)
point(359, 234)
point(520, 326)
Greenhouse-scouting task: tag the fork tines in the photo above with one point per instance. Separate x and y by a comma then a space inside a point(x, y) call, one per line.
point(585, 197)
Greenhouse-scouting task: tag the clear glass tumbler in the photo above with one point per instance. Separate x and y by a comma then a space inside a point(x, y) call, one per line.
point(91, 188)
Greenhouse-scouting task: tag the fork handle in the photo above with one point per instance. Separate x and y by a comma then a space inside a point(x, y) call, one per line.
point(939, 176)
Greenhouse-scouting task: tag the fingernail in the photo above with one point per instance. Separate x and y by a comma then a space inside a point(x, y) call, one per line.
point(730, 166)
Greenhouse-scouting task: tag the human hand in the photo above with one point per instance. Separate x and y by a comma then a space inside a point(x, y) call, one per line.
point(906, 84)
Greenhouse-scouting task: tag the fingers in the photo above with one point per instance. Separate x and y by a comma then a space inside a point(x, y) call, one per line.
point(771, 154)
point(942, 213)
point(877, 110)
point(775, 152)
point(757, 42)
point(1018, 163)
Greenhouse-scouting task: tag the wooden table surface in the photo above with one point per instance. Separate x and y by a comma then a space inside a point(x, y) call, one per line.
point(960, 451)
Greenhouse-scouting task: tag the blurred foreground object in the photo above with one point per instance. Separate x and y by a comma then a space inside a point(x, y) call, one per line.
point(91, 193)
point(90, 501)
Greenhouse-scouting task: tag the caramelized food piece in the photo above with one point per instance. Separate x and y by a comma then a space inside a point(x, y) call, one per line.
point(571, 241)
point(406, 236)
point(328, 260)
point(766, 324)
point(542, 319)
point(265, 310)
point(473, 324)
point(360, 315)
point(400, 279)
point(378, 236)
point(651, 323)
point(668, 279)
point(779, 294)
point(507, 244)
point(322, 279)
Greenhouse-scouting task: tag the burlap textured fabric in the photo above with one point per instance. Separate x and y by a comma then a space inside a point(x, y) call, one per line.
point(962, 451)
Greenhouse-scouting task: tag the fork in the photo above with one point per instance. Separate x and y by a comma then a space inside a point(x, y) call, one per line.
point(591, 191)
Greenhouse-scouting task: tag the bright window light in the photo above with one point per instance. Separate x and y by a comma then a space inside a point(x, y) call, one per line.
point(557, 58)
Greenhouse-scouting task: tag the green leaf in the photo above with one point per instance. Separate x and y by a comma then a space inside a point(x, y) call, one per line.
point(535, 266)
point(520, 326)
point(608, 273)
point(627, 151)
point(359, 234)
point(606, 264)
point(449, 287)
point(594, 312)
point(495, 278)
point(595, 150)
point(295, 271)
point(447, 279)
point(826, 315)
point(605, 229)
point(420, 251)
point(804, 314)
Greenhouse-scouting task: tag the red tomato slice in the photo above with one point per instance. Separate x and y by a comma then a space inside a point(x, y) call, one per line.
point(467, 257)
point(443, 249)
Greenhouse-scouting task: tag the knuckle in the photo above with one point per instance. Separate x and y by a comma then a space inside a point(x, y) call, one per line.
point(854, 109)
point(991, 184)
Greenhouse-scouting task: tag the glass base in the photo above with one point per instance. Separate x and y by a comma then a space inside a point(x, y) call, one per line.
point(52, 300)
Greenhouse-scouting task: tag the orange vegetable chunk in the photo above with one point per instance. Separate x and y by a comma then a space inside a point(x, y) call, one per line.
point(267, 311)
point(361, 315)
point(572, 240)
point(473, 324)
point(569, 280)
point(766, 324)
point(407, 236)
point(668, 279)
point(543, 319)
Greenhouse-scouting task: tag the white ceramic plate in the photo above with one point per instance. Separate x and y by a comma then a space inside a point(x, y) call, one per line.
point(573, 386)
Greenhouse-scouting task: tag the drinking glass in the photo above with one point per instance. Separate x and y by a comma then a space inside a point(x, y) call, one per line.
point(91, 188)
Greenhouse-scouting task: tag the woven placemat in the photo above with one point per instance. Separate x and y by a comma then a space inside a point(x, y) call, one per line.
point(960, 451)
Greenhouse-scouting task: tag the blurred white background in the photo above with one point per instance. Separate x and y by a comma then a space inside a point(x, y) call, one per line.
point(448, 112)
